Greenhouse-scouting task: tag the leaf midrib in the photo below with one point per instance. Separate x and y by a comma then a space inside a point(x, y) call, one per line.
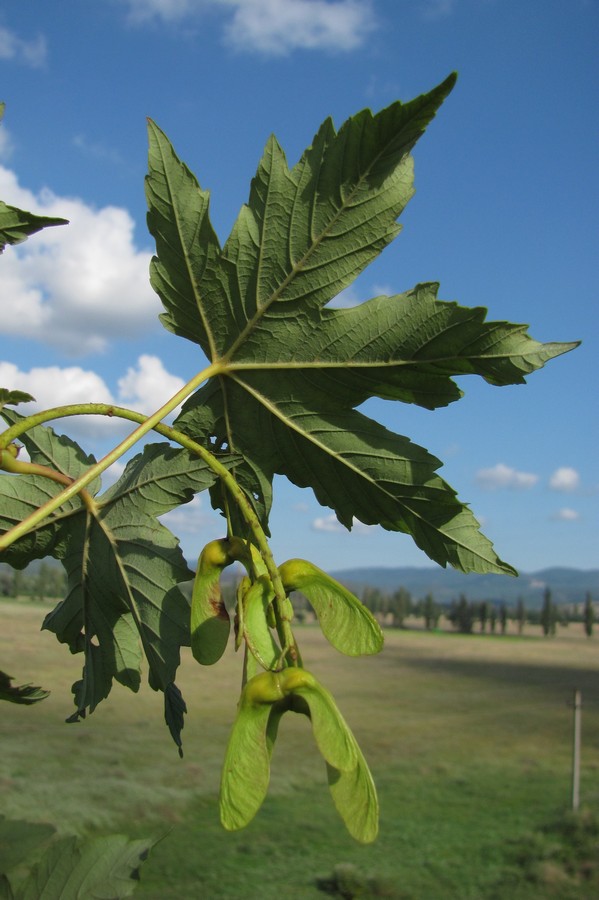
point(275, 411)
point(189, 267)
point(297, 267)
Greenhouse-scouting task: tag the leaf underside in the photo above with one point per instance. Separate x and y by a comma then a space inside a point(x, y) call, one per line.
point(123, 565)
point(293, 370)
point(13, 397)
point(25, 694)
point(16, 225)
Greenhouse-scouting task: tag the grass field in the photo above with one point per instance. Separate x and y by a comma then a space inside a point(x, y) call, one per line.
point(468, 737)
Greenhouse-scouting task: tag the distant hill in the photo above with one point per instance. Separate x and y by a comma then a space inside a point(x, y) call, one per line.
point(566, 585)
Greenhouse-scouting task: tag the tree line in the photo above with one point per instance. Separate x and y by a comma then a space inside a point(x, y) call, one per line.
point(41, 582)
point(483, 616)
point(48, 582)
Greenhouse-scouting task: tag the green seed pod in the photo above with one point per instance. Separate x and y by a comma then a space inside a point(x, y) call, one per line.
point(256, 603)
point(210, 621)
point(355, 798)
point(263, 688)
point(350, 781)
point(345, 622)
point(246, 771)
point(246, 768)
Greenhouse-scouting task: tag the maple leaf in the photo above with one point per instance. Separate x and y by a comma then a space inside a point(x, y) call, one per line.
point(123, 565)
point(293, 370)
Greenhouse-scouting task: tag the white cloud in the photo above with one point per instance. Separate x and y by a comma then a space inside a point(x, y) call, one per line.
point(564, 479)
point(32, 53)
point(346, 298)
point(502, 476)
point(167, 10)
point(190, 518)
point(275, 27)
point(74, 286)
point(331, 524)
point(567, 515)
point(144, 388)
point(272, 27)
point(438, 9)
point(97, 150)
point(6, 144)
point(149, 385)
point(55, 386)
point(328, 523)
point(354, 296)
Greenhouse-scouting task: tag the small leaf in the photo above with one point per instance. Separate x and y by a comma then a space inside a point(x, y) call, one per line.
point(174, 710)
point(105, 867)
point(13, 398)
point(16, 225)
point(346, 623)
point(24, 693)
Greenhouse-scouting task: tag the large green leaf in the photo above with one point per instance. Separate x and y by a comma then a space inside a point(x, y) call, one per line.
point(123, 565)
point(292, 370)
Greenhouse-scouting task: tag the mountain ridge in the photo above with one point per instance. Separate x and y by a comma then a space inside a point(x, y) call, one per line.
point(567, 585)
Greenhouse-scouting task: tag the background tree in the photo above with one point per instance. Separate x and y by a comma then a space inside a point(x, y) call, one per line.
point(589, 616)
point(372, 599)
point(431, 612)
point(548, 614)
point(462, 615)
point(483, 615)
point(493, 620)
point(521, 615)
point(400, 606)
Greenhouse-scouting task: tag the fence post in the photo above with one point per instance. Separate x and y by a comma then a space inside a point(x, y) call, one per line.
point(576, 751)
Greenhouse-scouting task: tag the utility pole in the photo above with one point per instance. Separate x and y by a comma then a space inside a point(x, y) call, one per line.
point(576, 751)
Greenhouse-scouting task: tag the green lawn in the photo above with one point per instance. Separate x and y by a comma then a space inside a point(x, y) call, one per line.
point(468, 737)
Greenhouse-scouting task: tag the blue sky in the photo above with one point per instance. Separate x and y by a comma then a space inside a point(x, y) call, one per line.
point(504, 216)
